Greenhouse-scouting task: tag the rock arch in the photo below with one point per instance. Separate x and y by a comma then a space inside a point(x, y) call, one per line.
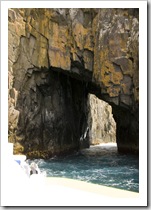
point(58, 56)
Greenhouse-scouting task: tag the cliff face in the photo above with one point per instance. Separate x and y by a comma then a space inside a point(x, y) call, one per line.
point(102, 126)
point(58, 56)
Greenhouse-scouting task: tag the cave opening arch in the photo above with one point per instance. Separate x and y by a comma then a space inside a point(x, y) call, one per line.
point(52, 114)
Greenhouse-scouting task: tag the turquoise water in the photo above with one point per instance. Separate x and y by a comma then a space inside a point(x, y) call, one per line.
point(114, 170)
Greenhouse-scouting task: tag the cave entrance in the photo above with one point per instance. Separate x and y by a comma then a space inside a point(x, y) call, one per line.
point(58, 115)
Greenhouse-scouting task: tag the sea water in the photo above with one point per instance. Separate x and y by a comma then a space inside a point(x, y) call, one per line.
point(108, 169)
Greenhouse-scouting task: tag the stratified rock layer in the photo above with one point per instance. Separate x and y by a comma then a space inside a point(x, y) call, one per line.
point(57, 56)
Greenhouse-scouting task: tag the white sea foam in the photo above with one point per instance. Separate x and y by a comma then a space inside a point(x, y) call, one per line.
point(100, 149)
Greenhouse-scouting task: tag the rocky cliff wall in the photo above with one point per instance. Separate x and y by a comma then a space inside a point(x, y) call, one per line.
point(94, 50)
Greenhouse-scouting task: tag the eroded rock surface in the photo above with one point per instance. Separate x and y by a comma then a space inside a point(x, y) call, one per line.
point(94, 50)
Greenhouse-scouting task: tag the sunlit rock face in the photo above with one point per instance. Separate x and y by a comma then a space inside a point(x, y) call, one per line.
point(96, 50)
point(102, 126)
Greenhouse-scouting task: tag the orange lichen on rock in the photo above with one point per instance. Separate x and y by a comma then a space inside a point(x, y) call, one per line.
point(110, 78)
point(59, 54)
